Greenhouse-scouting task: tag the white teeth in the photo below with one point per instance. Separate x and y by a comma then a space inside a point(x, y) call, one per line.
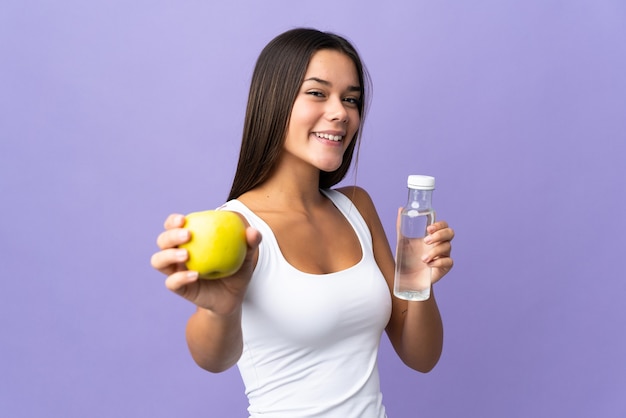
point(329, 137)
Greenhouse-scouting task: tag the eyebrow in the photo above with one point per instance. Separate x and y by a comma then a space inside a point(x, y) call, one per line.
point(328, 83)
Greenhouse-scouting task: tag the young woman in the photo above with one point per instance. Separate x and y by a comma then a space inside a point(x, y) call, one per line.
point(303, 317)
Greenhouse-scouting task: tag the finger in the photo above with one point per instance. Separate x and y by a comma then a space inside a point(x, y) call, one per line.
point(176, 282)
point(445, 263)
point(440, 250)
point(436, 226)
point(175, 220)
point(398, 221)
point(172, 238)
point(253, 237)
point(168, 258)
point(441, 235)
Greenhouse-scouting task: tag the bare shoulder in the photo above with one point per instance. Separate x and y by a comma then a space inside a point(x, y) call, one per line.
point(362, 200)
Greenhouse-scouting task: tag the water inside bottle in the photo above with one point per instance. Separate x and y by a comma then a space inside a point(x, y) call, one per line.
point(413, 276)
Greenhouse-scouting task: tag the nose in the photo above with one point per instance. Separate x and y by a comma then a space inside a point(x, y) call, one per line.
point(337, 111)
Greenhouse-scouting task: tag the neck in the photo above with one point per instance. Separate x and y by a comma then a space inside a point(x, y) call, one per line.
point(289, 188)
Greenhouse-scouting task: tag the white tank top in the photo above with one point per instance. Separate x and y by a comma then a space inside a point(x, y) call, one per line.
point(310, 342)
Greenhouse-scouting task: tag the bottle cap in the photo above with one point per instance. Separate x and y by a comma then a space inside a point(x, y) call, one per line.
point(419, 182)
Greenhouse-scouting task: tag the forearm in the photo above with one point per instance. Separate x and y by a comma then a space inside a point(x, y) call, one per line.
point(422, 335)
point(215, 342)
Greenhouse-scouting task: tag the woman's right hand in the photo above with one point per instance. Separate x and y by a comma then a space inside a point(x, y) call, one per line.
point(221, 296)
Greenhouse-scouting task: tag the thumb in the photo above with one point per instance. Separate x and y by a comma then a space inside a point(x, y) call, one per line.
point(253, 236)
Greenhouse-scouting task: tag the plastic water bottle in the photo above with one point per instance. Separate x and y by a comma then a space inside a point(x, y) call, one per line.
point(413, 277)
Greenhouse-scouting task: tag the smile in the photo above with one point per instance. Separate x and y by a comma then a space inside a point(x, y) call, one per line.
point(335, 138)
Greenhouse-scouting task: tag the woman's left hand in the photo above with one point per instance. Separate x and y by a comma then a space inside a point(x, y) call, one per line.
point(439, 240)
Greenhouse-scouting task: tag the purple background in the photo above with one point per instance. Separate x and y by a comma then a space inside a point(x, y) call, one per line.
point(115, 113)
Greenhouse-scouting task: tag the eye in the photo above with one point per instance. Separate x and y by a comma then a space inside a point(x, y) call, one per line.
point(353, 101)
point(315, 93)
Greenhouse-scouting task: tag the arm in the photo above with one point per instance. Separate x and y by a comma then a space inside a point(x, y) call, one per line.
point(214, 330)
point(415, 328)
point(214, 341)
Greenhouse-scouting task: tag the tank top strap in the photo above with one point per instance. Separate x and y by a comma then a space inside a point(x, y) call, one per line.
point(352, 214)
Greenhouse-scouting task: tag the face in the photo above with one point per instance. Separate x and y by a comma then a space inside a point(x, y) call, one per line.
point(325, 114)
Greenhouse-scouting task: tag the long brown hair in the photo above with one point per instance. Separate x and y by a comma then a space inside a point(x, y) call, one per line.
point(276, 80)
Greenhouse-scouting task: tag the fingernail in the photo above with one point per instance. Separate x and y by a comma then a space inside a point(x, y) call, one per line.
point(428, 239)
point(181, 255)
point(183, 234)
point(192, 275)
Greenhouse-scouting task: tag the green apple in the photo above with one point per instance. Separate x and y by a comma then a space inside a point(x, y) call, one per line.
point(217, 245)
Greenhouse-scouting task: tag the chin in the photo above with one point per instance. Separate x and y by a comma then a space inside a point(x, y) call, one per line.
point(329, 168)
